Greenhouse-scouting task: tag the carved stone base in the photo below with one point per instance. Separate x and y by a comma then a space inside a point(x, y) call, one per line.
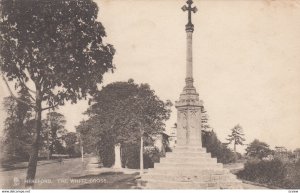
point(189, 117)
point(189, 167)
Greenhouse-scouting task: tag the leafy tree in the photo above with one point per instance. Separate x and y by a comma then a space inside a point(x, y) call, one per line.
point(258, 149)
point(17, 127)
point(217, 149)
point(297, 151)
point(211, 142)
point(53, 132)
point(71, 140)
point(106, 150)
point(204, 120)
point(88, 135)
point(124, 112)
point(53, 49)
point(236, 137)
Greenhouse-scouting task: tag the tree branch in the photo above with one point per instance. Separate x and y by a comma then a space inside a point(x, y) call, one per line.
point(27, 89)
point(26, 86)
point(50, 107)
point(16, 98)
point(53, 106)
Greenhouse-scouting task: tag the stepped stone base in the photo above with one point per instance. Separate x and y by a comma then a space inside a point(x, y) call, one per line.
point(189, 167)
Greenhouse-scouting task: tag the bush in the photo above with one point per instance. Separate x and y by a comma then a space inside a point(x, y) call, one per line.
point(73, 151)
point(131, 156)
point(216, 148)
point(262, 171)
point(293, 177)
point(106, 151)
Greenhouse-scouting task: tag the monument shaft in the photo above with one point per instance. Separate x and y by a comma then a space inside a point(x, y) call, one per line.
point(189, 106)
point(189, 55)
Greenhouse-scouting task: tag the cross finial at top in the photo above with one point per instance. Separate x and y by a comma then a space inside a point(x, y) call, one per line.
point(189, 26)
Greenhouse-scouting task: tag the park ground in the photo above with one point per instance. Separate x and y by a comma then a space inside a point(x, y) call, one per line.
point(77, 173)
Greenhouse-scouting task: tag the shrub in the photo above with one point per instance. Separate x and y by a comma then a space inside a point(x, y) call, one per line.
point(73, 151)
point(264, 171)
point(131, 156)
point(216, 148)
point(293, 177)
point(106, 151)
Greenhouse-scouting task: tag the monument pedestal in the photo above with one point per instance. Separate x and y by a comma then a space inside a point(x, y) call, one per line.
point(189, 167)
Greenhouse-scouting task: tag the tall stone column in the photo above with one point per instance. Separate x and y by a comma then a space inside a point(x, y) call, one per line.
point(189, 58)
point(189, 106)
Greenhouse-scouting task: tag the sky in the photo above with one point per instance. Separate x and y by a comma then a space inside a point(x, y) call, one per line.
point(246, 61)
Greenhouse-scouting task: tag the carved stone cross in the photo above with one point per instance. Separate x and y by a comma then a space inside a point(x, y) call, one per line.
point(189, 26)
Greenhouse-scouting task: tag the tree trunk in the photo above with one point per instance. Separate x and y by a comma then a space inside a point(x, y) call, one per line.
point(141, 157)
point(48, 146)
point(234, 147)
point(82, 153)
point(31, 170)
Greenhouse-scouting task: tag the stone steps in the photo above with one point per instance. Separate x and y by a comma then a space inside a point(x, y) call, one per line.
point(198, 165)
point(155, 184)
point(188, 155)
point(189, 167)
point(187, 161)
point(189, 149)
point(189, 171)
point(197, 178)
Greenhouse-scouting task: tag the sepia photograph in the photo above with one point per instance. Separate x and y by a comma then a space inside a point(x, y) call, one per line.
point(149, 94)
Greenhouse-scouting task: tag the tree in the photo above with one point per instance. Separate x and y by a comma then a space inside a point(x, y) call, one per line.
point(71, 140)
point(17, 127)
point(211, 142)
point(297, 153)
point(125, 112)
point(53, 49)
point(88, 135)
point(236, 137)
point(213, 145)
point(204, 120)
point(258, 149)
point(53, 132)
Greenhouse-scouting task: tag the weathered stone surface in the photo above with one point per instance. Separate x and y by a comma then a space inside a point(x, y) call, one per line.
point(189, 167)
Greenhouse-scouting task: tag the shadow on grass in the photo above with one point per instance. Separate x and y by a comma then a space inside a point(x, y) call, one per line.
point(22, 165)
point(108, 180)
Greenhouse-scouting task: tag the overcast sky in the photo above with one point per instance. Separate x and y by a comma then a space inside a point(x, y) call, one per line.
point(246, 61)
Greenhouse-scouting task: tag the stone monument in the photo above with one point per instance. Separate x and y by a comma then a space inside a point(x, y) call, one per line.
point(189, 166)
point(118, 164)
